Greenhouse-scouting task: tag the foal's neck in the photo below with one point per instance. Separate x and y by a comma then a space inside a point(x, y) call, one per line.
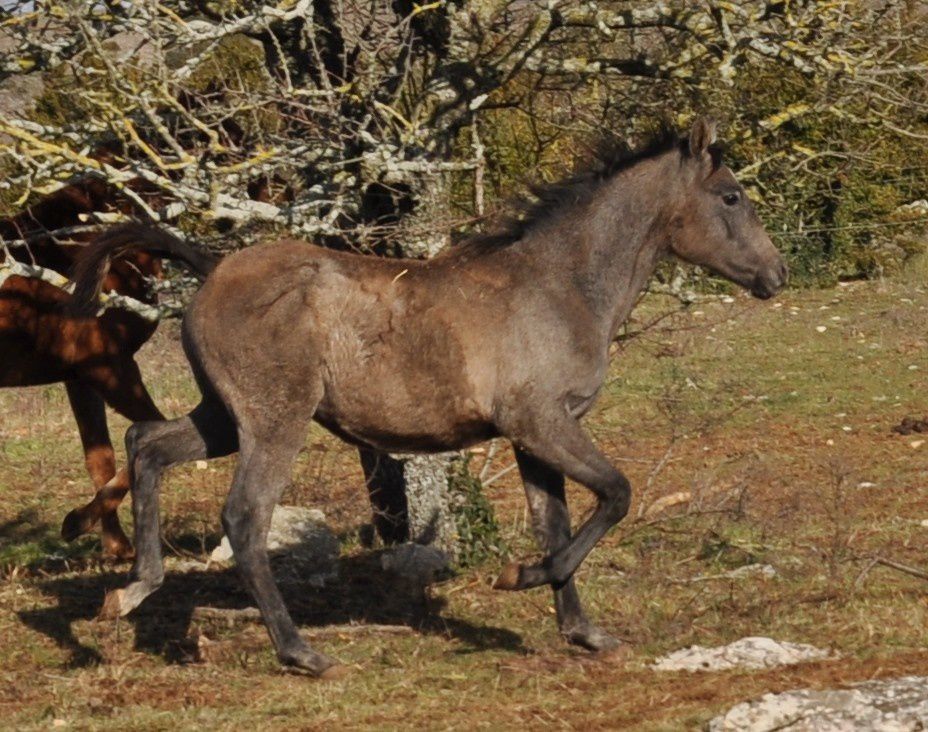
point(618, 237)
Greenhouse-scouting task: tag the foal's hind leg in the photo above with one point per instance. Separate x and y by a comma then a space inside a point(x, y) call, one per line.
point(263, 472)
point(90, 414)
point(544, 490)
point(206, 432)
point(561, 443)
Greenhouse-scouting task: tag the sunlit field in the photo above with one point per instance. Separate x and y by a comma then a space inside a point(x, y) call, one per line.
point(753, 433)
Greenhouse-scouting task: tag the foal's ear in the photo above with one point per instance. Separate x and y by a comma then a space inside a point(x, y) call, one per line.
point(702, 136)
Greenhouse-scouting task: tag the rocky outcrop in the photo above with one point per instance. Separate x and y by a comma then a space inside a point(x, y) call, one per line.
point(889, 705)
point(747, 653)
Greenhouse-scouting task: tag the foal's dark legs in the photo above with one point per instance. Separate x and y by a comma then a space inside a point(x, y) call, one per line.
point(544, 490)
point(206, 432)
point(561, 443)
point(263, 472)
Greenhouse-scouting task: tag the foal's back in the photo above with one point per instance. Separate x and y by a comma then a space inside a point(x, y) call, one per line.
point(401, 354)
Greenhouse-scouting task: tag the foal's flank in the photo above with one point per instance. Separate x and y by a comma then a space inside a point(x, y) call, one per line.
point(506, 335)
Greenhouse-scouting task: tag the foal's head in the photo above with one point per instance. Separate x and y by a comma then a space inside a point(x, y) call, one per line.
point(716, 226)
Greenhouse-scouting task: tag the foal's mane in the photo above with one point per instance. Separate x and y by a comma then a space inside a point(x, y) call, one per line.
point(548, 200)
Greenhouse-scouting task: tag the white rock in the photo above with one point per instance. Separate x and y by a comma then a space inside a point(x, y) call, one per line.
point(302, 535)
point(889, 705)
point(751, 653)
point(750, 570)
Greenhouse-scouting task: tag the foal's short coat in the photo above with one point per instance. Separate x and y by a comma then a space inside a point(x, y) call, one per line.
point(508, 336)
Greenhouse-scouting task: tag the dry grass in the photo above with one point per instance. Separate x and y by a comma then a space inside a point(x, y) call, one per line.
point(777, 434)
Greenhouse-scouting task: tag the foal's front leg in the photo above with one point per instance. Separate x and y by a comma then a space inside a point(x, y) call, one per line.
point(544, 490)
point(558, 441)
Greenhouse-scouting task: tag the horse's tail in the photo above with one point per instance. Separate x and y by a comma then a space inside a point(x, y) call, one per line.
point(93, 264)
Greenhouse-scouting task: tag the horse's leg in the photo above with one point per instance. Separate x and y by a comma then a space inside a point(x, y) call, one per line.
point(90, 414)
point(563, 445)
point(386, 490)
point(263, 473)
point(152, 447)
point(120, 385)
point(544, 490)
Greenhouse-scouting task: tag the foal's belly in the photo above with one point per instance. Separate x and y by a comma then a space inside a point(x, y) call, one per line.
point(410, 441)
point(398, 421)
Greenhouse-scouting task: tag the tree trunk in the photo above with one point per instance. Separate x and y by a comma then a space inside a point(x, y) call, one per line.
point(410, 499)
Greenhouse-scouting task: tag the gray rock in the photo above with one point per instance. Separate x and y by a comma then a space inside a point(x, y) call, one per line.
point(751, 653)
point(890, 705)
point(421, 564)
point(130, 47)
point(302, 536)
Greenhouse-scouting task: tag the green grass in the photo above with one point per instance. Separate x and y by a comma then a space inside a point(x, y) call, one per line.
point(778, 434)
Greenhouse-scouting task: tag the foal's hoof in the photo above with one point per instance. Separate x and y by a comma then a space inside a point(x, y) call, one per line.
point(509, 578)
point(75, 524)
point(119, 603)
point(304, 658)
point(592, 638)
point(517, 576)
point(335, 672)
point(112, 605)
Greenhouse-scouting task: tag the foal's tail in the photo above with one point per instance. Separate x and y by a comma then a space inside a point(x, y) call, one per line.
point(93, 264)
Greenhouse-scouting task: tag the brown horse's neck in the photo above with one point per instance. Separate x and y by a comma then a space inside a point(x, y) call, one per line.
point(609, 246)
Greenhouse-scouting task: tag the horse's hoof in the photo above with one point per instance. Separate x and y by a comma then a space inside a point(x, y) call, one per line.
point(592, 638)
point(75, 525)
point(509, 578)
point(121, 550)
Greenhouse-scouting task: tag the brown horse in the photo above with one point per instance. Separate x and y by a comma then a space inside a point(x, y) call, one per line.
point(41, 344)
point(503, 336)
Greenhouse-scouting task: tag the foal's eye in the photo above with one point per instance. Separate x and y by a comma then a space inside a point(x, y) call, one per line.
point(731, 199)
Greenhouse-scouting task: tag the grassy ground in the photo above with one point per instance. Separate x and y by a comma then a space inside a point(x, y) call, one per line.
point(767, 424)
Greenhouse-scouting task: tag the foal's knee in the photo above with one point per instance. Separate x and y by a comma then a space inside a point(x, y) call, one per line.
point(135, 439)
point(143, 451)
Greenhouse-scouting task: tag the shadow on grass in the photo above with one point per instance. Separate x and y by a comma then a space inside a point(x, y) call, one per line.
point(32, 546)
point(363, 593)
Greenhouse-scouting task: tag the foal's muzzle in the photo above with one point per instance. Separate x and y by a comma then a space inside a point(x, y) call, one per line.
point(769, 282)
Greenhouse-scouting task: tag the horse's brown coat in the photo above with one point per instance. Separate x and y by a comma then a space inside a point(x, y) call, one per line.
point(40, 343)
